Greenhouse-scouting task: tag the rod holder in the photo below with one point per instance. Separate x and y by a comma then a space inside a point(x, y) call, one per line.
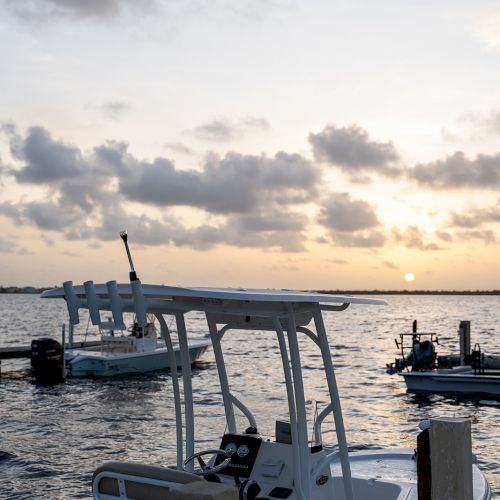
point(93, 302)
point(73, 303)
point(139, 302)
point(116, 303)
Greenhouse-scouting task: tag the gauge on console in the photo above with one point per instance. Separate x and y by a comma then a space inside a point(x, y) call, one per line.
point(231, 448)
point(243, 451)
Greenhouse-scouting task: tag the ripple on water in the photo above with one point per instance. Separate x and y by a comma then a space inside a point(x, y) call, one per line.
point(52, 438)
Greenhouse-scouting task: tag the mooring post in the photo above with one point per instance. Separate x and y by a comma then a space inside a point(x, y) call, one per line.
point(424, 473)
point(464, 339)
point(451, 458)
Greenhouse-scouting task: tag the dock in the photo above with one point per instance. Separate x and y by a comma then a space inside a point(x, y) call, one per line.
point(24, 351)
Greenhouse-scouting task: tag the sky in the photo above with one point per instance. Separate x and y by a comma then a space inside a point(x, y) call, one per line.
point(266, 143)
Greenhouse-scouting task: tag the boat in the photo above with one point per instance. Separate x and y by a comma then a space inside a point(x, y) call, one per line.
point(463, 380)
point(424, 372)
point(245, 464)
point(123, 352)
point(138, 352)
point(120, 351)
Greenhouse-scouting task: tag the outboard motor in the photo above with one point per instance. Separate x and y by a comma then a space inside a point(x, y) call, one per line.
point(47, 361)
point(424, 356)
point(422, 353)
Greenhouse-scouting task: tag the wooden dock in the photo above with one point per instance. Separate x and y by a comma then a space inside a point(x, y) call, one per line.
point(24, 351)
point(15, 352)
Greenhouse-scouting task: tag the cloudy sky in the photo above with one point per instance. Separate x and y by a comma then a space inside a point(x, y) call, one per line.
point(299, 144)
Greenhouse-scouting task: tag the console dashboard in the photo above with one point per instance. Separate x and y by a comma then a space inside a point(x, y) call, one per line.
point(244, 449)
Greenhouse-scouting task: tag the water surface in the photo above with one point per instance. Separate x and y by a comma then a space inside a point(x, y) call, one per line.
point(52, 438)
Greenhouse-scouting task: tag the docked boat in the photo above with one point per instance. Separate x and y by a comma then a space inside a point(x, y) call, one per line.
point(246, 464)
point(425, 372)
point(463, 380)
point(117, 353)
point(120, 351)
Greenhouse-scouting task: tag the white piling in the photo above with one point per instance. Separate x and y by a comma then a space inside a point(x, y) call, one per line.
point(451, 459)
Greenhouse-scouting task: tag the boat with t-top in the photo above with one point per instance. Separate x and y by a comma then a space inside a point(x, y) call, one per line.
point(290, 464)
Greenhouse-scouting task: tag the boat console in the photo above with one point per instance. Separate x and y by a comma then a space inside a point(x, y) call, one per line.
point(244, 449)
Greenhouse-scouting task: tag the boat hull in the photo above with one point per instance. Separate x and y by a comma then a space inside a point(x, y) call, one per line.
point(86, 363)
point(459, 383)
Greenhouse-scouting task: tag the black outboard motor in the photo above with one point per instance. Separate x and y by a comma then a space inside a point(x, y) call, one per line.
point(422, 353)
point(424, 356)
point(47, 361)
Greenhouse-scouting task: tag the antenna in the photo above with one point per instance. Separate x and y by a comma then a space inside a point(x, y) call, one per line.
point(132, 274)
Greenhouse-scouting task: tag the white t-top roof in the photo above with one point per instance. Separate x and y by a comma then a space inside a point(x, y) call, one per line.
point(241, 294)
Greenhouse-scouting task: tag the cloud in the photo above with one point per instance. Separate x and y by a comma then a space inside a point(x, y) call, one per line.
point(474, 218)
point(179, 147)
point(101, 10)
point(389, 265)
point(340, 213)
point(234, 183)
point(413, 237)
point(87, 194)
point(351, 149)
point(486, 236)
point(222, 130)
point(114, 110)
point(10, 210)
point(459, 172)
point(351, 222)
point(481, 122)
point(50, 215)
point(444, 236)
point(363, 239)
point(45, 160)
point(9, 244)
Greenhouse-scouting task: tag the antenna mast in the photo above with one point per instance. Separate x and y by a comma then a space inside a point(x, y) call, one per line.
point(132, 274)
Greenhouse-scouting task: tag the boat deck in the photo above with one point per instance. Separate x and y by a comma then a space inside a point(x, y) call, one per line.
point(96, 353)
point(397, 466)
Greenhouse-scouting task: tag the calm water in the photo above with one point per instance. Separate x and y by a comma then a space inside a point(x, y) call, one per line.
point(51, 439)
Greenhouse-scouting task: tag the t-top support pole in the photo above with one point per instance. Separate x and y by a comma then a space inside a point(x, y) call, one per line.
point(187, 384)
point(165, 333)
point(335, 398)
point(291, 405)
point(298, 386)
point(221, 369)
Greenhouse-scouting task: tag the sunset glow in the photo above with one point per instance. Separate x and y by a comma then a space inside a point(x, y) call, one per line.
point(275, 163)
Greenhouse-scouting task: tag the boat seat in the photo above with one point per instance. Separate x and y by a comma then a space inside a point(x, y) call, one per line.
point(205, 491)
point(139, 481)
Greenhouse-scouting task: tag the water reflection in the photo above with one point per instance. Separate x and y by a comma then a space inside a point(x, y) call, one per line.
point(52, 438)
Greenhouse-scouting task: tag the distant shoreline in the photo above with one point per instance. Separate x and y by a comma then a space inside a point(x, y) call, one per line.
point(411, 292)
point(35, 290)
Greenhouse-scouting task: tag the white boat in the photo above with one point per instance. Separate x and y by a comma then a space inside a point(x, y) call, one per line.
point(116, 354)
point(457, 380)
point(246, 464)
point(125, 355)
point(423, 374)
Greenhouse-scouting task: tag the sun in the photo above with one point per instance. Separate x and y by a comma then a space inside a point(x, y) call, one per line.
point(409, 277)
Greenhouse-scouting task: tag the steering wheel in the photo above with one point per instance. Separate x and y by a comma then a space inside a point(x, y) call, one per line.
point(207, 469)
